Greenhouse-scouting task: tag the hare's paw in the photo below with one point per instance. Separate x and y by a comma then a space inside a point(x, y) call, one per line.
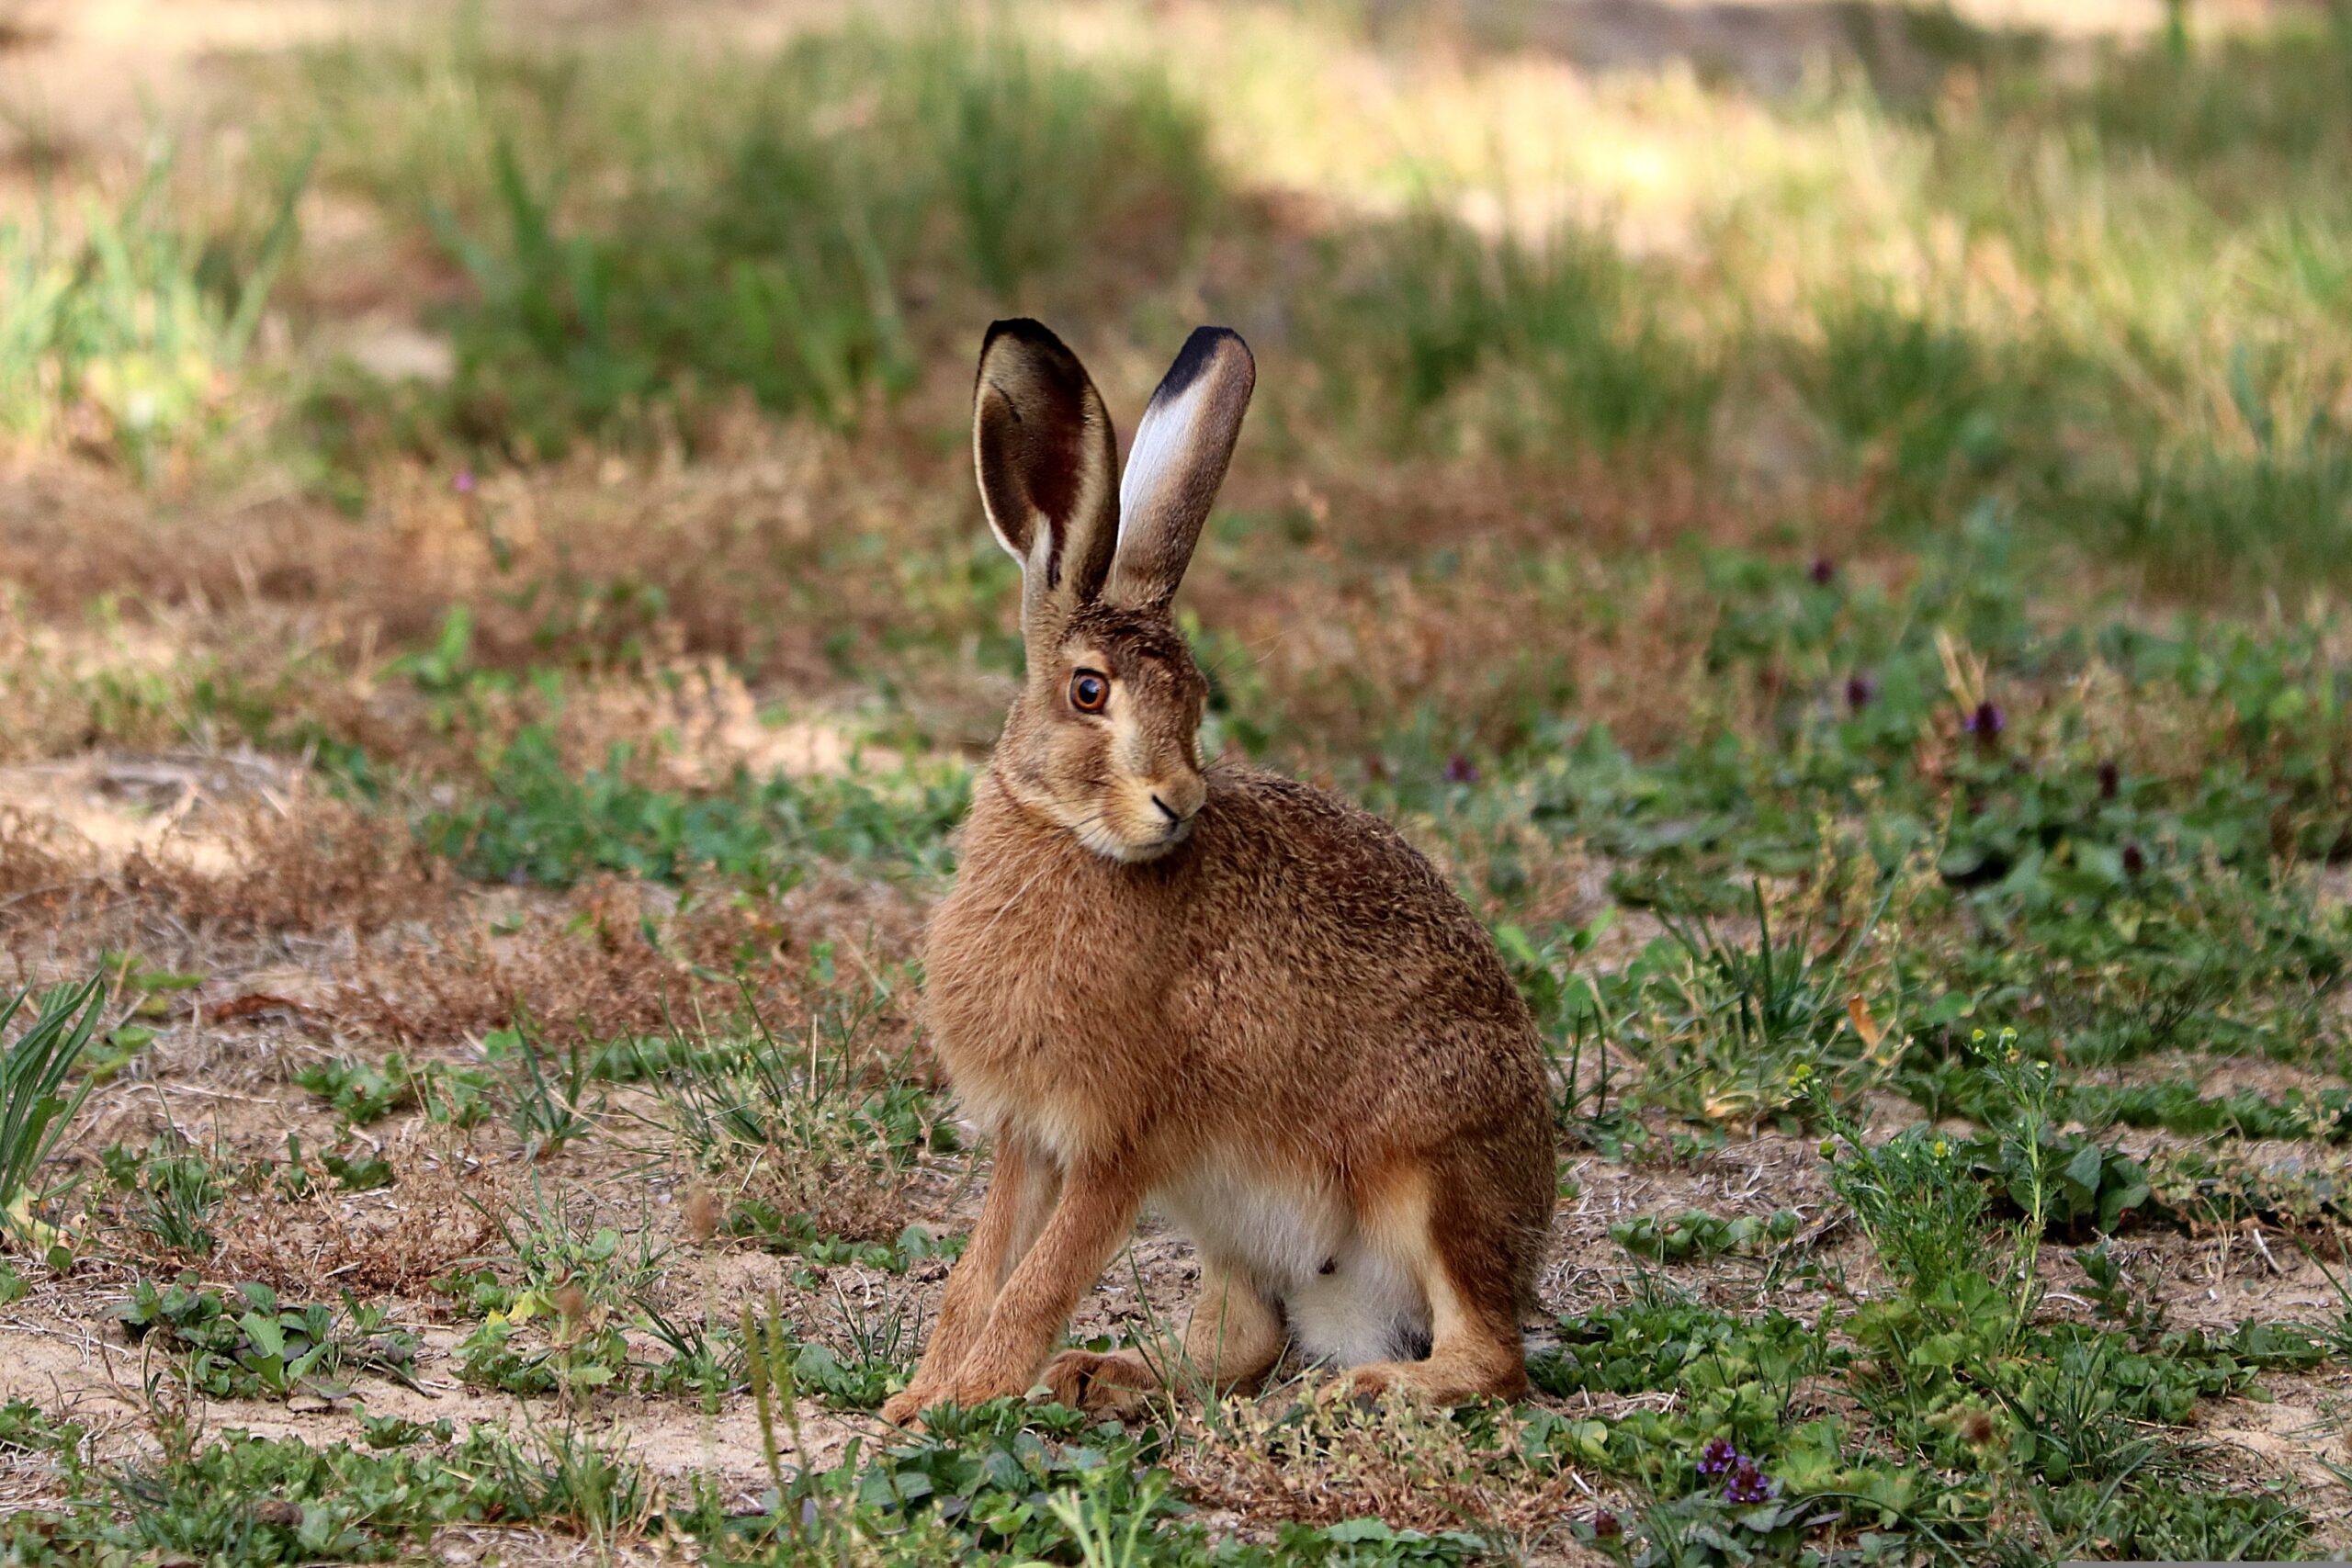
point(1113, 1384)
point(1441, 1380)
point(905, 1407)
point(1377, 1382)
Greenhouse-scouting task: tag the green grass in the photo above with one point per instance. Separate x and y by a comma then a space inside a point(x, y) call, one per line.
point(540, 823)
point(756, 227)
point(37, 1103)
point(117, 323)
point(1516, 346)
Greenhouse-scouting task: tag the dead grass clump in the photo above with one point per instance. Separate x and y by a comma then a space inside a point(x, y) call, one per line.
point(1523, 875)
point(584, 564)
point(41, 859)
point(811, 1113)
point(1325, 1459)
point(844, 1198)
point(1610, 507)
point(1484, 649)
point(317, 1246)
point(319, 865)
point(607, 959)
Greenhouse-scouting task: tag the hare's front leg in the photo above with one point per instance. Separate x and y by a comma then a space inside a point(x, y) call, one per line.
point(1096, 1212)
point(1021, 1195)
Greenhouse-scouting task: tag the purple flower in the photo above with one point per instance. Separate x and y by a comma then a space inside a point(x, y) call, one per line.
point(1460, 769)
point(1719, 1456)
point(1986, 722)
point(464, 481)
point(1748, 1484)
point(2111, 779)
point(1859, 690)
point(1825, 570)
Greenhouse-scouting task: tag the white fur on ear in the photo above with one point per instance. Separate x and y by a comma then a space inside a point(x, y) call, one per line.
point(1179, 459)
point(1163, 441)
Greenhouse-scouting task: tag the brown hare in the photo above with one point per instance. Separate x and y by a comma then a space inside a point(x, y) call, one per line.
point(1203, 986)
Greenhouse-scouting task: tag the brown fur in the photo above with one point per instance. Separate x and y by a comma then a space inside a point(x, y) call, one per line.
point(1271, 1012)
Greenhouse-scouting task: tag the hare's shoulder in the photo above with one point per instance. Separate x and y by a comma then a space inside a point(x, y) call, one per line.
point(1319, 861)
point(1286, 821)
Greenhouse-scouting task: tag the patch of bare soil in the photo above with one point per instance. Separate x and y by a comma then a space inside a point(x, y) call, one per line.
point(2297, 1429)
point(2218, 1078)
point(90, 72)
point(1774, 46)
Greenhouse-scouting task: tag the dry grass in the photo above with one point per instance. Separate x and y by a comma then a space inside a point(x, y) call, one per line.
point(1313, 1455)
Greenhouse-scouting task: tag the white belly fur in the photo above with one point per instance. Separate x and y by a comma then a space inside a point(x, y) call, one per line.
point(1281, 1235)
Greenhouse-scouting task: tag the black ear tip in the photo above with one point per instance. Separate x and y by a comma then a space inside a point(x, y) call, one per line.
point(1202, 349)
point(1022, 329)
point(1026, 350)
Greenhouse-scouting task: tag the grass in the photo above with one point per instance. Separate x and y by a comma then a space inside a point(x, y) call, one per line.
point(819, 189)
point(118, 324)
point(540, 822)
point(36, 1105)
point(1508, 345)
point(1845, 575)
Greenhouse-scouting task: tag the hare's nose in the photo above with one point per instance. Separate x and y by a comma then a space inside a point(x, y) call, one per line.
point(1178, 799)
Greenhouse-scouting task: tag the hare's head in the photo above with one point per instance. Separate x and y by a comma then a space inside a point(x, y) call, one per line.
point(1104, 737)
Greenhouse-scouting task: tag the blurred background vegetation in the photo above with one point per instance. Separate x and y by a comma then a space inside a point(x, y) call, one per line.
point(1693, 441)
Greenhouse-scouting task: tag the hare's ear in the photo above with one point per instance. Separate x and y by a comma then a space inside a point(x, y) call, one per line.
point(1047, 455)
point(1179, 459)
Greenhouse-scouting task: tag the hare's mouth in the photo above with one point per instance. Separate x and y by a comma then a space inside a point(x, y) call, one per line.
point(1158, 838)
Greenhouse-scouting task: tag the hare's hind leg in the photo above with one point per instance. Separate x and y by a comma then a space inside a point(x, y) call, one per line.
point(1235, 1336)
point(1463, 1263)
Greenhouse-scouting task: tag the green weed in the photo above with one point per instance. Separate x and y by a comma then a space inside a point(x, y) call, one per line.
point(249, 1345)
point(541, 824)
point(1677, 1238)
point(247, 1500)
point(35, 1104)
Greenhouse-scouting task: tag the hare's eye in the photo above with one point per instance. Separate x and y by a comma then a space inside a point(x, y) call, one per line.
point(1088, 692)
